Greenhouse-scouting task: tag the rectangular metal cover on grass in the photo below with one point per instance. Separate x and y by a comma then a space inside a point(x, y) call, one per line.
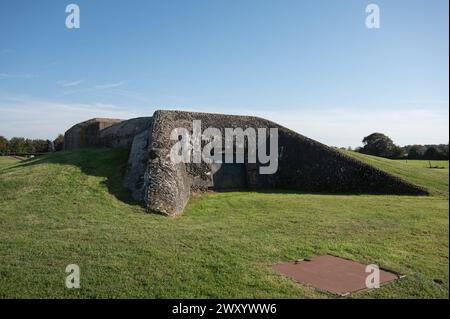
point(332, 274)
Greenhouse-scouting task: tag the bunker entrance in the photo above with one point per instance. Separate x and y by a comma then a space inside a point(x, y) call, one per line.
point(230, 176)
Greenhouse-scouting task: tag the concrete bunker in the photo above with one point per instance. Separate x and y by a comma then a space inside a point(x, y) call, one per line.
point(164, 187)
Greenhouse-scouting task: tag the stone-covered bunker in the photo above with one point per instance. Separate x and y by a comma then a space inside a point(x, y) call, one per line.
point(165, 187)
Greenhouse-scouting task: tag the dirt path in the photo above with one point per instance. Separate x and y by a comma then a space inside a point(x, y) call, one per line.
point(20, 158)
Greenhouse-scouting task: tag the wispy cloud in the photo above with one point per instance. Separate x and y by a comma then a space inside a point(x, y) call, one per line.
point(108, 85)
point(348, 126)
point(25, 116)
point(69, 83)
point(427, 102)
point(17, 76)
point(71, 90)
point(35, 118)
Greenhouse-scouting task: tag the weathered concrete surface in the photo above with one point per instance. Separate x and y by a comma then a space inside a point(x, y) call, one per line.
point(100, 132)
point(134, 179)
point(85, 134)
point(165, 187)
point(131, 135)
point(121, 135)
point(304, 165)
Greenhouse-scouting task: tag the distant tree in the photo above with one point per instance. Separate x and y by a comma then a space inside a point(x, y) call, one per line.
point(416, 151)
point(378, 144)
point(50, 146)
point(20, 145)
point(433, 153)
point(17, 145)
point(443, 148)
point(3, 145)
point(39, 146)
point(29, 146)
point(398, 152)
point(59, 143)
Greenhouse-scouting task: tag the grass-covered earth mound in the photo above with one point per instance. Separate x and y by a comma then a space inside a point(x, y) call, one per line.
point(70, 208)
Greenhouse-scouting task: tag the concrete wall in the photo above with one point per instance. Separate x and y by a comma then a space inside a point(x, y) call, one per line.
point(86, 134)
point(99, 132)
point(133, 135)
point(121, 135)
point(135, 175)
point(165, 187)
point(304, 165)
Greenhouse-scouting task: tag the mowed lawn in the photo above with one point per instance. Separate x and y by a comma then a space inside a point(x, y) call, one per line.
point(70, 208)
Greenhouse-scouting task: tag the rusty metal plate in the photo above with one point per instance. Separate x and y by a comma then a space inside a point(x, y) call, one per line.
point(333, 274)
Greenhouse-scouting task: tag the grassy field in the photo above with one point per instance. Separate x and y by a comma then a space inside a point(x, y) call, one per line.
point(415, 171)
point(70, 207)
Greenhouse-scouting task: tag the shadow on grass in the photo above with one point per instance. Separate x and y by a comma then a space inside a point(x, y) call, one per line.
point(290, 191)
point(112, 163)
point(108, 163)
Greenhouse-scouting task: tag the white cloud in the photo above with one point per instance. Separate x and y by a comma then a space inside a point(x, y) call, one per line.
point(17, 76)
point(22, 116)
point(434, 102)
point(347, 126)
point(69, 84)
point(108, 85)
point(70, 87)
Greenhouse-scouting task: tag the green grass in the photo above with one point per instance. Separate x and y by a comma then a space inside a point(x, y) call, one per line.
point(415, 171)
point(6, 161)
point(70, 207)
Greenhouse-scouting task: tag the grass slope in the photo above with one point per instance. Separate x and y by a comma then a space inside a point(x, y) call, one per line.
point(69, 207)
point(415, 171)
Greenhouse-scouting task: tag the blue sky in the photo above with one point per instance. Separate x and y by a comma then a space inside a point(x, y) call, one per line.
point(310, 65)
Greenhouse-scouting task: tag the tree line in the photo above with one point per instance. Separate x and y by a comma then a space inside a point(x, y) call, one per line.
point(27, 146)
point(379, 144)
point(376, 144)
